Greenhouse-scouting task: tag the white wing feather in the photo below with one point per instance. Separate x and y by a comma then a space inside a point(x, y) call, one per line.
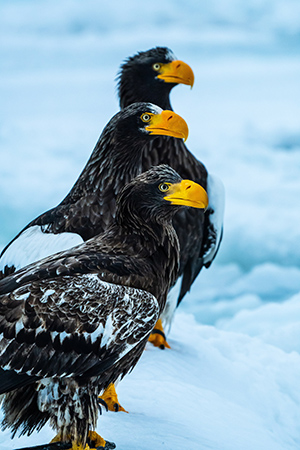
point(33, 244)
point(216, 195)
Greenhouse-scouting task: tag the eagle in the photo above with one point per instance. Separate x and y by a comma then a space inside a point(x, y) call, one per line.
point(76, 321)
point(89, 208)
point(150, 76)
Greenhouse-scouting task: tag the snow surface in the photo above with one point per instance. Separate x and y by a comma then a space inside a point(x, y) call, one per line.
point(231, 379)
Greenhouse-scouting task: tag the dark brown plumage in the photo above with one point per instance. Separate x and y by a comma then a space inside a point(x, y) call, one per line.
point(76, 321)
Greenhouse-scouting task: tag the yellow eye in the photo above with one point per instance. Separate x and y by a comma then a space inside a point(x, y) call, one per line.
point(146, 117)
point(164, 187)
point(156, 66)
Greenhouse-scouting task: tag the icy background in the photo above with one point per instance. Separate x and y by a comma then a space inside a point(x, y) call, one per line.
point(231, 380)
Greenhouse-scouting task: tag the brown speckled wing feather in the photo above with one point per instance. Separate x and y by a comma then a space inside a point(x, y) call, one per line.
point(72, 325)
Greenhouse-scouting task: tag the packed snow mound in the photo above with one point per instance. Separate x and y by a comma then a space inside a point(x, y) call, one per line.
point(214, 389)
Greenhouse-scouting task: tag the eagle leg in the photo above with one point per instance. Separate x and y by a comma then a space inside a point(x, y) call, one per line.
point(111, 400)
point(158, 337)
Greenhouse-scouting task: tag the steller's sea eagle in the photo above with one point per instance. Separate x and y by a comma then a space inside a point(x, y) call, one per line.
point(74, 322)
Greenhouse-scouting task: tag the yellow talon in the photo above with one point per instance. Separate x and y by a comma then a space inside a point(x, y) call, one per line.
point(95, 441)
point(158, 337)
point(111, 399)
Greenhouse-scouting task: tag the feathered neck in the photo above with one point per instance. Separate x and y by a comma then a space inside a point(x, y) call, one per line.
point(156, 245)
point(109, 167)
point(132, 90)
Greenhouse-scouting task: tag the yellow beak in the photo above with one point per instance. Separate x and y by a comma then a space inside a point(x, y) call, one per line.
point(168, 123)
point(187, 193)
point(177, 72)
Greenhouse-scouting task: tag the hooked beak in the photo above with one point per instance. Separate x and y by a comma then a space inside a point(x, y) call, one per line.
point(177, 72)
point(168, 123)
point(187, 193)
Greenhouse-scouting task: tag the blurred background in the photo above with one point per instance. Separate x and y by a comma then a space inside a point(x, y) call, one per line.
point(59, 60)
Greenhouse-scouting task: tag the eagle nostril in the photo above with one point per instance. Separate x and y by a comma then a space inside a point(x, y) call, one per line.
point(169, 118)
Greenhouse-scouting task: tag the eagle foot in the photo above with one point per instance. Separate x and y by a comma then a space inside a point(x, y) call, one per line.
point(94, 442)
point(101, 403)
point(158, 337)
point(110, 398)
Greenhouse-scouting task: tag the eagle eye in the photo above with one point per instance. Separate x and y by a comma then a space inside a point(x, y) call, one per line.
point(156, 66)
point(164, 187)
point(146, 117)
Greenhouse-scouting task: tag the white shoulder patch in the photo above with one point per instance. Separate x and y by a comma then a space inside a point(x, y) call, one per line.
point(33, 245)
point(216, 196)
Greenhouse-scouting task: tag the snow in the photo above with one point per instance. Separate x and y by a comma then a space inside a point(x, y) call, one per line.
point(231, 379)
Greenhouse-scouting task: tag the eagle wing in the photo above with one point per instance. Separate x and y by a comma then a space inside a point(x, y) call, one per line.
point(92, 256)
point(71, 326)
point(68, 224)
point(33, 244)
